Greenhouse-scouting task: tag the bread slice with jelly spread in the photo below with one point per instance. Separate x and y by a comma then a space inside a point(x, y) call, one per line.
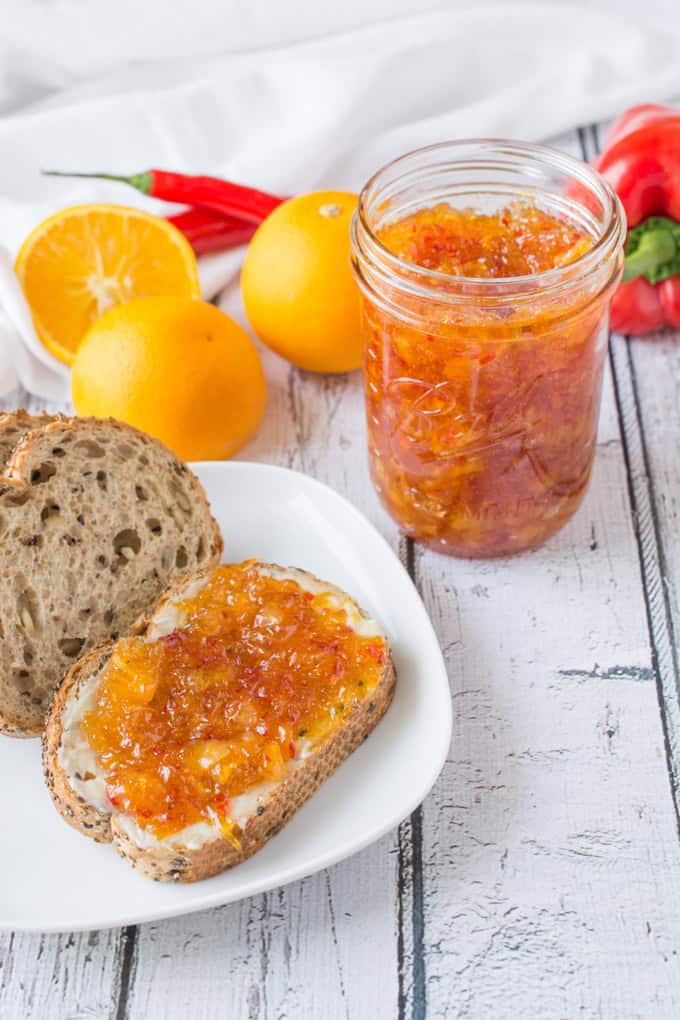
point(96, 519)
point(193, 741)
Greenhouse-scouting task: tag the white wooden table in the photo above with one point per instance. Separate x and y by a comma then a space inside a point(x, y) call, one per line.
point(541, 877)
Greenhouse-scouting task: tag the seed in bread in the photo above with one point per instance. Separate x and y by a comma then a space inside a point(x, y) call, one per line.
point(192, 743)
point(96, 520)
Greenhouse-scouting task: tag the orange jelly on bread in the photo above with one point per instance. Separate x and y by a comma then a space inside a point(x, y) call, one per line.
point(256, 669)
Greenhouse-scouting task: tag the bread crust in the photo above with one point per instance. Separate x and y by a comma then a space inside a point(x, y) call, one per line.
point(77, 811)
point(13, 427)
point(176, 863)
point(16, 480)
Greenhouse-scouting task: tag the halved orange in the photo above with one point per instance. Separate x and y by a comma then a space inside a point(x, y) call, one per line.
point(84, 260)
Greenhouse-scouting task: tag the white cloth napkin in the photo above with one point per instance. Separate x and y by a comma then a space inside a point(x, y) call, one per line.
point(325, 112)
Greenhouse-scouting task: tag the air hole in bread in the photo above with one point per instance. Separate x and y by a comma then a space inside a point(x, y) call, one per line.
point(58, 451)
point(125, 450)
point(43, 473)
point(22, 680)
point(108, 617)
point(154, 525)
point(27, 610)
point(86, 613)
point(181, 558)
point(34, 540)
point(127, 543)
point(89, 448)
point(143, 460)
point(49, 512)
point(70, 646)
point(102, 480)
point(200, 550)
point(28, 655)
point(141, 493)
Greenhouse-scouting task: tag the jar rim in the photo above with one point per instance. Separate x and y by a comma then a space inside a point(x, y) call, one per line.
point(424, 282)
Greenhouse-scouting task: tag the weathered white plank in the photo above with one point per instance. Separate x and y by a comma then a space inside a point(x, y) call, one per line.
point(550, 841)
point(59, 977)
point(326, 946)
point(646, 371)
point(647, 413)
point(551, 860)
point(305, 950)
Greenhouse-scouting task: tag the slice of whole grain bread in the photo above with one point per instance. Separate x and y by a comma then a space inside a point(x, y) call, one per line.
point(96, 518)
point(79, 793)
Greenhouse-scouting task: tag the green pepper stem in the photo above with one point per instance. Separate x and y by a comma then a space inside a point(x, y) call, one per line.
point(656, 247)
point(142, 182)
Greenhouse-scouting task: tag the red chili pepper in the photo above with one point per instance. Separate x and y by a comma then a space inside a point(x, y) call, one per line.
point(376, 652)
point(206, 192)
point(641, 160)
point(208, 231)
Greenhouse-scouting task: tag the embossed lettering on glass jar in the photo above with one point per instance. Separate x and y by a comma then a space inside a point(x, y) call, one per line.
point(483, 393)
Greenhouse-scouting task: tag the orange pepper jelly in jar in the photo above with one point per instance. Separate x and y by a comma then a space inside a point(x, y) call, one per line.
point(254, 672)
point(486, 270)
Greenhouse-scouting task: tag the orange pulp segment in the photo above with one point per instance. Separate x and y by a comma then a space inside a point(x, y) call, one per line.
point(83, 260)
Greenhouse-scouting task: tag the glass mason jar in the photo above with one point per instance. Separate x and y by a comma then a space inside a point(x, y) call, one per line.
point(483, 395)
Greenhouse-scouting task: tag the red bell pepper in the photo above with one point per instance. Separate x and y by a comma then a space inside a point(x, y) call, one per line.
point(641, 160)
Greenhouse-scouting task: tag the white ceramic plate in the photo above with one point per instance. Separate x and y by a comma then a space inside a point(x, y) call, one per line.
point(53, 879)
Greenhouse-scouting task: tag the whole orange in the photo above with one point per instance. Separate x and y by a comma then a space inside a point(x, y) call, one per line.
point(179, 369)
point(298, 290)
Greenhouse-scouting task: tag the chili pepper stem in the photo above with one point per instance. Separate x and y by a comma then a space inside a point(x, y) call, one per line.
point(142, 182)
